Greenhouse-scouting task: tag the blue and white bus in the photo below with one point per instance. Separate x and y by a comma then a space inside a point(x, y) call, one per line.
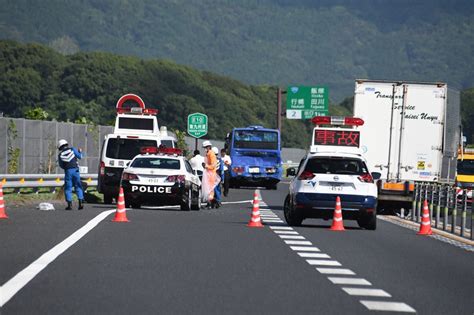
point(256, 157)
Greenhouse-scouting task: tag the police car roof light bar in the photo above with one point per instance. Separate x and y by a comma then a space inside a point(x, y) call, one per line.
point(170, 151)
point(148, 150)
point(337, 121)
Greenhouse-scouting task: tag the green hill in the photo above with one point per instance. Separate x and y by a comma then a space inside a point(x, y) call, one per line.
point(86, 86)
point(277, 42)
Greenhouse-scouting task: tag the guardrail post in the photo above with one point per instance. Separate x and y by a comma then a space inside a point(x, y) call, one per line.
point(414, 202)
point(464, 210)
point(454, 214)
point(438, 206)
point(432, 199)
point(446, 208)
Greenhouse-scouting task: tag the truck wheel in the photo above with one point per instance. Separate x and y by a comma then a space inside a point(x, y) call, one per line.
point(291, 216)
point(108, 199)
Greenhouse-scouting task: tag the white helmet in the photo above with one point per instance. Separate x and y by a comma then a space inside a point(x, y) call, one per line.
point(61, 143)
point(206, 143)
point(215, 150)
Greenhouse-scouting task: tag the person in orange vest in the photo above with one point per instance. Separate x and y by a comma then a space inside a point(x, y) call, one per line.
point(209, 176)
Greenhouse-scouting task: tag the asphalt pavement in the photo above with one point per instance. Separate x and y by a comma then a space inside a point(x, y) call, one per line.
point(169, 261)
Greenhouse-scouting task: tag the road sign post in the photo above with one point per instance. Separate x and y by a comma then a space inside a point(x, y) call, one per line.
point(304, 102)
point(197, 125)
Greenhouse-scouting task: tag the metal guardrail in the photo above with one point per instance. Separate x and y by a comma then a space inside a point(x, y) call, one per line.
point(450, 208)
point(36, 181)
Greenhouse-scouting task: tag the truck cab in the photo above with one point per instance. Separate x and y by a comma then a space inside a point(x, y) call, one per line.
point(135, 127)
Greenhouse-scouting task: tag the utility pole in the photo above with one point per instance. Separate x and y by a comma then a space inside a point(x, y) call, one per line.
point(279, 111)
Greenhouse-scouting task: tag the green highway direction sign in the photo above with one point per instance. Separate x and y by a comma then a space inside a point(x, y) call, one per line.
point(197, 125)
point(305, 102)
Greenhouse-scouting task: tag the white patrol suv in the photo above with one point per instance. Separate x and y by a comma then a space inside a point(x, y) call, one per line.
point(161, 176)
point(333, 167)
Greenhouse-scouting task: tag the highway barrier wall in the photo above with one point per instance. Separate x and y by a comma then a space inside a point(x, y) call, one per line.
point(29, 146)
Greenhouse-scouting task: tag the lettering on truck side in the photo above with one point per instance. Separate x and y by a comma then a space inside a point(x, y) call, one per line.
point(150, 189)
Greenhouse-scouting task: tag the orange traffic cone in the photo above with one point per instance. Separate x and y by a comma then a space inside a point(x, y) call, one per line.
point(337, 224)
point(255, 220)
point(3, 214)
point(120, 214)
point(425, 226)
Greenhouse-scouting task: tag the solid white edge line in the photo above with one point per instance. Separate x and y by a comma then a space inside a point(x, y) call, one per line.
point(353, 281)
point(304, 248)
point(366, 292)
point(388, 306)
point(336, 271)
point(15, 284)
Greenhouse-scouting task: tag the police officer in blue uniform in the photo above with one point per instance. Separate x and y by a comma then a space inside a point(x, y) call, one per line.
point(67, 159)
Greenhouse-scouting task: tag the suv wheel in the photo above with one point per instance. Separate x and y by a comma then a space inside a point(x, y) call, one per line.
point(368, 222)
point(291, 216)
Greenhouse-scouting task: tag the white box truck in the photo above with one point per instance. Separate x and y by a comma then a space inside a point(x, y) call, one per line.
point(411, 134)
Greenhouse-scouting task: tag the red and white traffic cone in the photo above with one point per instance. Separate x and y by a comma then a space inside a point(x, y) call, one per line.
point(337, 223)
point(3, 214)
point(121, 213)
point(425, 226)
point(255, 220)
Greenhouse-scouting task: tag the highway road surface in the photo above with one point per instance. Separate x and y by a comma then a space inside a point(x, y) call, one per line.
point(166, 261)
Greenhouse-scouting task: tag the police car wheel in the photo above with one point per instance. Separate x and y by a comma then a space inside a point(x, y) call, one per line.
point(291, 216)
point(197, 205)
point(186, 203)
point(135, 205)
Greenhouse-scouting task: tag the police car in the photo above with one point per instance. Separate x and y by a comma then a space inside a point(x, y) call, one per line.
point(334, 167)
point(161, 176)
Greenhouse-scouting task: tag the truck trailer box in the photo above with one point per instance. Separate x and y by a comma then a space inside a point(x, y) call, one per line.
point(411, 133)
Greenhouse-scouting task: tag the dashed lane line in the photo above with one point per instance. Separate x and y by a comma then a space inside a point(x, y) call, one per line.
point(307, 250)
point(388, 306)
point(366, 292)
point(15, 284)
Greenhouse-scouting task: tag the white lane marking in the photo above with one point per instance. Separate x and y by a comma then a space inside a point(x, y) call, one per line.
point(304, 248)
point(235, 202)
point(292, 237)
point(354, 281)
point(366, 292)
point(313, 255)
point(280, 227)
point(285, 232)
point(298, 242)
point(388, 306)
point(267, 216)
point(336, 271)
point(317, 262)
point(15, 284)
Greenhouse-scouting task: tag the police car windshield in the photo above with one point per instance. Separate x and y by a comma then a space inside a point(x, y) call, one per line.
point(336, 165)
point(126, 149)
point(160, 163)
point(466, 167)
point(253, 139)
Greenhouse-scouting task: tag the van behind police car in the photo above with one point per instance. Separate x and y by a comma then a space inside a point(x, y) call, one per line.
point(135, 127)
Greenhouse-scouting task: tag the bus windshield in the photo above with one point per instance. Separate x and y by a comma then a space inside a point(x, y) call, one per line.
point(255, 139)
